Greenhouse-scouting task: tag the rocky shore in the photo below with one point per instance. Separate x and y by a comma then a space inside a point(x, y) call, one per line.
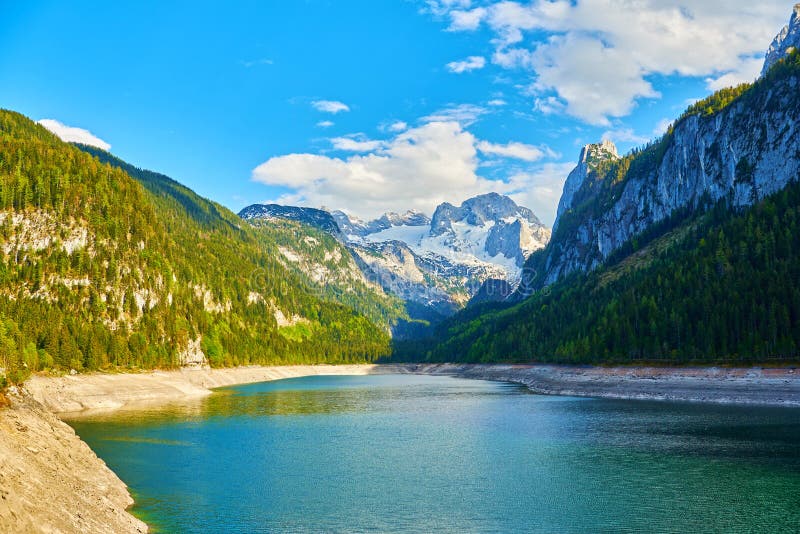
point(749, 386)
point(51, 481)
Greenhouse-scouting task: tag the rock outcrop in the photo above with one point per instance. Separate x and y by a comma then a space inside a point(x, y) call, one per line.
point(591, 157)
point(317, 218)
point(51, 481)
point(788, 39)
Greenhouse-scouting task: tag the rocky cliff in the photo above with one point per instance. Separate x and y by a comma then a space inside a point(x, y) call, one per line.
point(738, 145)
point(788, 39)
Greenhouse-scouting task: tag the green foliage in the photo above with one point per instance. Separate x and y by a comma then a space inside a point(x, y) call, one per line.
point(722, 289)
point(126, 272)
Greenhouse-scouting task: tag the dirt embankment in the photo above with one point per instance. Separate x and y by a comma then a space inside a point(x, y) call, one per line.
point(753, 386)
point(102, 391)
point(51, 481)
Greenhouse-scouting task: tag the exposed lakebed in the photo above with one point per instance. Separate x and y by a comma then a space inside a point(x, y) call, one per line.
point(433, 453)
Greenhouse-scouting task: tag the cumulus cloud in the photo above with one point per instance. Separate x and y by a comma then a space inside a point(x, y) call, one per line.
point(325, 124)
point(72, 134)
point(469, 64)
point(497, 102)
point(466, 20)
point(417, 169)
point(464, 114)
point(514, 150)
point(330, 106)
point(356, 143)
point(397, 126)
point(593, 59)
point(540, 189)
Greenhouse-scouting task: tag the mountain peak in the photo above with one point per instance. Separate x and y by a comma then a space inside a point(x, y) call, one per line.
point(591, 156)
point(787, 40)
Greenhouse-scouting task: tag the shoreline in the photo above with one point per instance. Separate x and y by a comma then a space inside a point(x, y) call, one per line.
point(53, 481)
point(105, 392)
point(708, 385)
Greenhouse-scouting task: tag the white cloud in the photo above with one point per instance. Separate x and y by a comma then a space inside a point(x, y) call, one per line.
point(325, 124)
point(596, 56)
point(330, 106)
point(466, 20)
point(512, 150)
point(72, 134)
point(745, 73)
point(540, 189)
point(469, 64)
point(397, 126)
point(356, 143)
point(497, 102)
point(464, 114)
point(417, 169)
point(624, 135)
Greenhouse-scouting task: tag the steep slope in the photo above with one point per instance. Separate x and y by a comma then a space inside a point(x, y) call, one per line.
point(787, 40)
point(740, 144)
point(99, 269)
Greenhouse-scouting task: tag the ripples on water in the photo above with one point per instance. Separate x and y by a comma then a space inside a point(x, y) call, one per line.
point(423, 454)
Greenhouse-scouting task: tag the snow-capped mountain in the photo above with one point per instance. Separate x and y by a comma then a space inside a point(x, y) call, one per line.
point(443, 261)
point(354, 227)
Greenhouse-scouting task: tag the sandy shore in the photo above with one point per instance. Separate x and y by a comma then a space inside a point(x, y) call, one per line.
point(748, 386)
point(95, 392)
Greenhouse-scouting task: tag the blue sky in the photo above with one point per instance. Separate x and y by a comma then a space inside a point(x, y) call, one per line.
point(373, 105)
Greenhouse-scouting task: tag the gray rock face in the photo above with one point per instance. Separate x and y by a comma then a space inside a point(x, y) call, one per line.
point(444, 263)
point(591, 156)
point(478, 211)
point(788, 39)
point(743, 153)
point(353, 226)
point(311, 216)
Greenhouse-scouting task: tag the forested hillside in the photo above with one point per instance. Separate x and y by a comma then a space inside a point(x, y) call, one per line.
point(100, 270)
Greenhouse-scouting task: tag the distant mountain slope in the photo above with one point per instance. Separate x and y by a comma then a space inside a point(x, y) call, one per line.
point(97, 270)
point(441, 262)
point(310, 216)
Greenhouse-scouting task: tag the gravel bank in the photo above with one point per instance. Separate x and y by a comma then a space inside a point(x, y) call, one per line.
point(754, 386)
point(51, 481)
point(105, 391)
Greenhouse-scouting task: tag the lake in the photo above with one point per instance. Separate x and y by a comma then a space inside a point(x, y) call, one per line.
point(405, 453)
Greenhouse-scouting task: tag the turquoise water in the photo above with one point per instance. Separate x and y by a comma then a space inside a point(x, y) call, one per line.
point(438, 454)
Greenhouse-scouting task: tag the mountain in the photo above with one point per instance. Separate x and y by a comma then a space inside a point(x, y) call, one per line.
point(686, 250)
point(313, 217)
point(787, 40)
point(591, 158)
point(355, 227)
point(739, 145)
point(106, 265)
point(442, 262)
